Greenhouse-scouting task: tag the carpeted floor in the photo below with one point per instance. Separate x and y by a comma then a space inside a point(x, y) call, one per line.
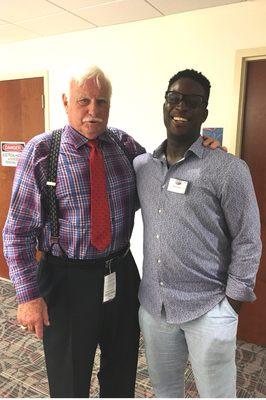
point(22, 369)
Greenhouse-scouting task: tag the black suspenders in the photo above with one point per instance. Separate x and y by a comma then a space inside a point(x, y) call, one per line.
point(51, 187)
point(53, 206)
point(119, 143)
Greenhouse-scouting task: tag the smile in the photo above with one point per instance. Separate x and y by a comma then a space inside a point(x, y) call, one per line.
point(180, 119)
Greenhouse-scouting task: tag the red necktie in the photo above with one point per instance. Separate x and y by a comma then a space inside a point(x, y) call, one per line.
point(100, 212)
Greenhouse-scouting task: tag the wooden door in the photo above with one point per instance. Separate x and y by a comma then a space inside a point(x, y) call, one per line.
point(21, 118)
point(252, 321)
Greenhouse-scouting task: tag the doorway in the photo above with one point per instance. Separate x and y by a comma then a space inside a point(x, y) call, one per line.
point(22, 116)
point(251, 147)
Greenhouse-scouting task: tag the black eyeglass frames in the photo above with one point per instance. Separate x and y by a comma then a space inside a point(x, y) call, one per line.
point(192, 100)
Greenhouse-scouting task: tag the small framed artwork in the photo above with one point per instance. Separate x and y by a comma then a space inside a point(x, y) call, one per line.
point(216, 133)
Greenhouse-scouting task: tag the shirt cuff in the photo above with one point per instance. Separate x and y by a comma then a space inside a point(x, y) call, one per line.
point(237, 290)
point(27, 293)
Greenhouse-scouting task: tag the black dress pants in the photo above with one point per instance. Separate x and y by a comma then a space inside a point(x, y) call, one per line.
point(79, 320)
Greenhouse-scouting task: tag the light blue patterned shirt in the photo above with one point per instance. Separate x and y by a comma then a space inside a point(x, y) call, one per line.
point(201, 245)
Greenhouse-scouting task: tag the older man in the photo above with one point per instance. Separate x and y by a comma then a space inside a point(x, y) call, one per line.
point(87, 289)
point(201, 248)
point(86, 292)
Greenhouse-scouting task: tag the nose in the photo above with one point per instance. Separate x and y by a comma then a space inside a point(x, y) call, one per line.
point(93, 108)
point(181, 105)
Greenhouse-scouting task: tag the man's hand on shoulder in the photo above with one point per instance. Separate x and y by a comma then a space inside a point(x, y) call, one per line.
point(32, 315)
point(235, 304)
point(212, 143)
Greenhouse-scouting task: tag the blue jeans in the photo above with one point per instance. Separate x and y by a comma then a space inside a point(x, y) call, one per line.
point(209, 342)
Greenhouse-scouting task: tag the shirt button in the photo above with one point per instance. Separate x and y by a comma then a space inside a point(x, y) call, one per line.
point(157, 236)
point(160, 210)
point(161, 283)
point(159, 261)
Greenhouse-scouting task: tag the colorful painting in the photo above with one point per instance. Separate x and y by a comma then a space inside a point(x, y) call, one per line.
point(216, 133)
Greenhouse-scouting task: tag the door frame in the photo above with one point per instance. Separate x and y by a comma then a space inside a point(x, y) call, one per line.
point(36, 74)
point(242, 57)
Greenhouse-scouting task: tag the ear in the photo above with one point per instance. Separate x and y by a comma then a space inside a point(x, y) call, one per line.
point(205, 114)
point(65, 101)
point(165, 118)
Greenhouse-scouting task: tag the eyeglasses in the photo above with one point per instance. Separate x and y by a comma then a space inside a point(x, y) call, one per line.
point(192, 100)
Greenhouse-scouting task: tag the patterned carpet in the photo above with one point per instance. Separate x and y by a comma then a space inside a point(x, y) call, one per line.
point(22, 370)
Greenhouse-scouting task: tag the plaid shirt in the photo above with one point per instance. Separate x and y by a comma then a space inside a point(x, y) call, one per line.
point(27, 225)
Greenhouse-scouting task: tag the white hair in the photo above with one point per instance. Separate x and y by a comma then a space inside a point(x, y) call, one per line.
point(80, 77)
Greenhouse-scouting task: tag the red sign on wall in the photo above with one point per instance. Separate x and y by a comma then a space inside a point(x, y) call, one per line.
point(10, 153)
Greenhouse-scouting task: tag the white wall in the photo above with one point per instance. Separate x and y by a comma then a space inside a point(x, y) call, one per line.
point(140, 58)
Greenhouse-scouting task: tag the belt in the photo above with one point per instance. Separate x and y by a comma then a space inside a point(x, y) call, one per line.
point(64, 261)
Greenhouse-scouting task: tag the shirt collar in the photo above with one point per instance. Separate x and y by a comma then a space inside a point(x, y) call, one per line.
point(73, 137)
point(159, 152)
point(197, 148)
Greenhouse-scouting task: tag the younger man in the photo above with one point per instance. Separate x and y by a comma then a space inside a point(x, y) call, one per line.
point(201, 248)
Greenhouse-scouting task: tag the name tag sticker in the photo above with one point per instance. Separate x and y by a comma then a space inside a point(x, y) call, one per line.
point(177, 186)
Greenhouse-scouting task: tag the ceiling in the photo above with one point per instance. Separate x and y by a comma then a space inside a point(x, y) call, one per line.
point(29, 19)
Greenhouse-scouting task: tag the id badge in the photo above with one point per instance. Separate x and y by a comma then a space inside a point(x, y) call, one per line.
point(109, 289)
point(177, 185)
